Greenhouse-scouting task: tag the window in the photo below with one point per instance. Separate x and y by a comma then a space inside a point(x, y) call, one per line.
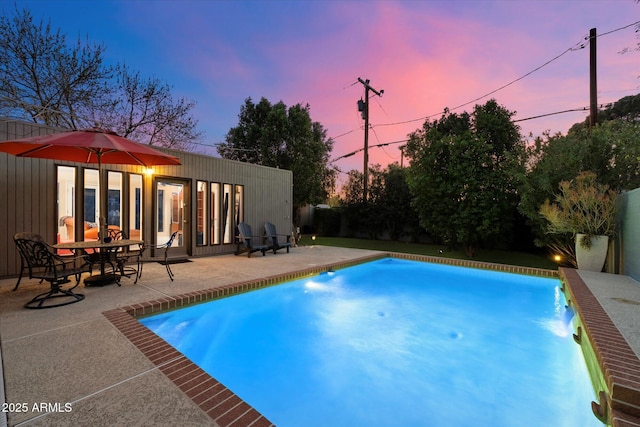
point(201, 214)
point(176, 208)
point(215, 213)
point(114, 199)
point(239, 204)
point(91, 198)
point(227, 219)
point(66, 184)
point(135, 206)
point(160, 211)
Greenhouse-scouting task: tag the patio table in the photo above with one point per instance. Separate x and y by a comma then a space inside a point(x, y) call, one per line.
point(104, 249)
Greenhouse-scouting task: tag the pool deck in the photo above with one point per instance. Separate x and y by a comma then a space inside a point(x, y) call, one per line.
point(91, 363)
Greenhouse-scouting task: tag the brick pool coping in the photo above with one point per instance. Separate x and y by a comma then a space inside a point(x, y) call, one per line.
point(620, 403)
point(617, 361)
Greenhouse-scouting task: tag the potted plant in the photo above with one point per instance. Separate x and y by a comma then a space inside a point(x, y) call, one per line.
point(587, 210)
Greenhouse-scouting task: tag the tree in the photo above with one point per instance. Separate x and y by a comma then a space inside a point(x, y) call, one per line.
point(353, 188)
point(626, 108)
point(463, 176)
point(46, 79)
point(611, 150)
point(396, 211)
point(274, 135)
point(144, 110)
point(364, 218)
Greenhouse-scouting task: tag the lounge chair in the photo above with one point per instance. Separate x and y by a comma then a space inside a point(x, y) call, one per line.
point(145, 256)
point(272, 235)
point(43, 264)
point(246, 241)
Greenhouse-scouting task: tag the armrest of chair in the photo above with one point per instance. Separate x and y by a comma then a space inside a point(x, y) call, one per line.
point(73, 262)
point(145, 250)
point(148, 246)
point(288, 236)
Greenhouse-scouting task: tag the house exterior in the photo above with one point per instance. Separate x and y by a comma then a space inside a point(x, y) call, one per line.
point(202, 199)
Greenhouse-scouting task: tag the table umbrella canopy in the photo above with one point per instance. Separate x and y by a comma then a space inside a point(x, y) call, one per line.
point(88, 146)
point(92, 145)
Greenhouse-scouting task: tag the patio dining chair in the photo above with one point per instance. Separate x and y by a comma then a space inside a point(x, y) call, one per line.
point(121, 257)
point(148, 253)
point(42, 263)
point(24, 264)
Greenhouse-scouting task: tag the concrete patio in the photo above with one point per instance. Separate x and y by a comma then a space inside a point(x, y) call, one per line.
point(85, 371)
point(73, 354)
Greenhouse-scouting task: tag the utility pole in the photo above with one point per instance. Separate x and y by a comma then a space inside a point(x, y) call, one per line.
point(363, 107)
point(593, 82)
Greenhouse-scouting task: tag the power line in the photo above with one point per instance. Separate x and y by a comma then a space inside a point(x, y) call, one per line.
point(384, 144)
point(580, 45)
point(600, 106)
point(576, 47)
point(346, 133)
point(618, 29)
point(551, 114)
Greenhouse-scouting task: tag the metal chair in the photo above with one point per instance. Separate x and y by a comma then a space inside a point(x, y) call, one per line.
point(142, 258)
point(43, 264)
point(121, 257)
point(24, 265)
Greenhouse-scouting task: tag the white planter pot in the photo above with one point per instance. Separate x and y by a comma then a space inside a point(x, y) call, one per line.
point(592, 259)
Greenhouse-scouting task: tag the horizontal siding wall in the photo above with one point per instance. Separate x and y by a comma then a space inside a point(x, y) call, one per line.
point(631, 234)
point(30, 186)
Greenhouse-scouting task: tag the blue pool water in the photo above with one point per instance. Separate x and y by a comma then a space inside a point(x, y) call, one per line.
point(394, 343)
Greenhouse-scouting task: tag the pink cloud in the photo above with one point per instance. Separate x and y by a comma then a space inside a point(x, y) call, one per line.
point(425, 55)
point(456, 67)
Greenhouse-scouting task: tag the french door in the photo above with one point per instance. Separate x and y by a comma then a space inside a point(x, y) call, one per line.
point(172, 214)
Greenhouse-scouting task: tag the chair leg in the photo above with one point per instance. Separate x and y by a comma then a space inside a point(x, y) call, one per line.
point(169, 270)
point(139, 272)
point(21, 272)
point(78, 277)
point(19, 279)
point(54, 292)
point(166, 264)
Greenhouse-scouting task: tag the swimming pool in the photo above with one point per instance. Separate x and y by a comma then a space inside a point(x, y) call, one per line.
point(394, 342)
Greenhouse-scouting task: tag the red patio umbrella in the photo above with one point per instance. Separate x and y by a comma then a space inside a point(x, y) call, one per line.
point(92, 145)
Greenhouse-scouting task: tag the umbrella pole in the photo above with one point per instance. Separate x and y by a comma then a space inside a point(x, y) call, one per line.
point(104, 194)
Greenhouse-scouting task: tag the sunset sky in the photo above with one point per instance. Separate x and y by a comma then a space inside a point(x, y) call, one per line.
point(425, 55)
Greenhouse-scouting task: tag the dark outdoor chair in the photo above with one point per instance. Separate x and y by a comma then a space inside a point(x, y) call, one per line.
point(24, 265)
point(272, 236)
point(43, 264)
point(246, 241)
point(121, 257)
point(145, 256)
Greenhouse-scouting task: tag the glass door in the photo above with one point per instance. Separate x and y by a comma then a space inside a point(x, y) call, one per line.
point(172, 215)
